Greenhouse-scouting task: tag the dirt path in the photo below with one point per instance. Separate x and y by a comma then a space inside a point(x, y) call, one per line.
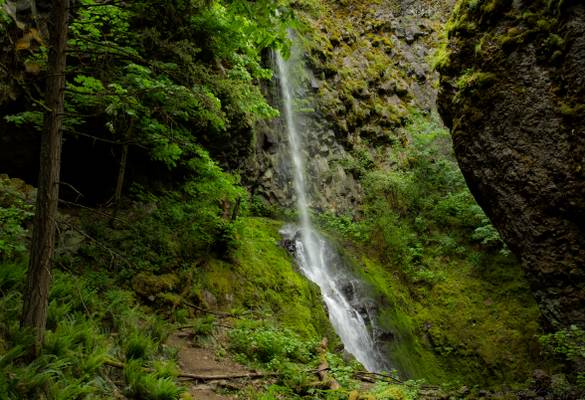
point(204, 361)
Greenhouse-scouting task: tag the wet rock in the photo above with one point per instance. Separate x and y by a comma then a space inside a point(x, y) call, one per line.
point(269, 173)
point(315, 84)
point(387, 88)
point(348, 290)
point(366, 73)
point(385, 336)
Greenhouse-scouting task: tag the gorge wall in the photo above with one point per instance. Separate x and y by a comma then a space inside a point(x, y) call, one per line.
point(512, 92)
point(367, 68)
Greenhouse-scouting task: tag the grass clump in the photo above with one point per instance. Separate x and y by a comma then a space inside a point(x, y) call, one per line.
point(138, 346)
point(149, 386)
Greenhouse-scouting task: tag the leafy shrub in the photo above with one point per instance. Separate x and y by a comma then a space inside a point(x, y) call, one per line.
point(423, 201)
point(265, 344)
point(259, 207)
point(344, 224)
point(568, 345)
point(16, 210)
point(388, 391)
point(165, 231)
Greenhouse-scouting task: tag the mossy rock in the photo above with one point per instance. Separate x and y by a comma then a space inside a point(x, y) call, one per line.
point(263, 278)
point(150, 286)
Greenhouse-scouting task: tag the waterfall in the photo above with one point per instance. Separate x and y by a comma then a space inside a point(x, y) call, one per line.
point(317, 259)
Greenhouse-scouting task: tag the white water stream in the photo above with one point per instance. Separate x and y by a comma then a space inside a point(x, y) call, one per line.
point(315, 256)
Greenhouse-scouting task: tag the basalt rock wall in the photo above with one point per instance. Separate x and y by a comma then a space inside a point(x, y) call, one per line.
point(361, 70)
point(513, 93)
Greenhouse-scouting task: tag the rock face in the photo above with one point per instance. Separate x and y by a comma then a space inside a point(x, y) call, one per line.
point(362, 69)
point(513, 94)
point(272, 173)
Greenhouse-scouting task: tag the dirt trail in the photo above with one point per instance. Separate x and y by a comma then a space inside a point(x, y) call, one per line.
point(204, 361)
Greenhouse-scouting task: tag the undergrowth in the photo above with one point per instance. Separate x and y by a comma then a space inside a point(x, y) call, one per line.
point(88, 326)
point(296, 362)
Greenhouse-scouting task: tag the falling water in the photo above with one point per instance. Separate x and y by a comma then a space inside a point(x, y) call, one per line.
point(316, 257)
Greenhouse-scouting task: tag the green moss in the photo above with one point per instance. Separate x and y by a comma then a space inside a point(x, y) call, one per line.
point(472, 325)
point(406, 350)
point(441, 58)
point(454, 307)
point(263, 278)
point(354, 61)
point(148, 284)
point(572, 110)
point(475, 80)
point(492, 7)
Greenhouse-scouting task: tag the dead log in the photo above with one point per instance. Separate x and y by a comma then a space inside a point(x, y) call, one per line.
point(324, 367)
point(373, 376)
point(249, 375)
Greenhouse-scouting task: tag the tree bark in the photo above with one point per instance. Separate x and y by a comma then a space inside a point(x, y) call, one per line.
point(121, 175)
point(36, 293)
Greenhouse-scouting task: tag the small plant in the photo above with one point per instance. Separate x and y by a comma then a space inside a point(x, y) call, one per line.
point(569, 343)
point(343, 225)
point(266, 345)
point(142, 385)
point(388, 391)
point(139, 346)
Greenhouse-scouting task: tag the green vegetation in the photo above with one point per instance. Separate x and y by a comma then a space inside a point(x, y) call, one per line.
point(361, 100)
point(177, 84)
point(455, 299)
point(296, 360)
point(90, 322)
point(108, 324)
point(568, 345)
point(157, 88)
point(16, 208)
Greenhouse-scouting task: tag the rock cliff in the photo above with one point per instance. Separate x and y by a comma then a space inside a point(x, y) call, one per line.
point(363, 68)
point(513, 93)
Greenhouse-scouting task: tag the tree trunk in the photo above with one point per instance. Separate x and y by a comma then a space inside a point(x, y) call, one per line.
point(36, 294)
point(121, 175)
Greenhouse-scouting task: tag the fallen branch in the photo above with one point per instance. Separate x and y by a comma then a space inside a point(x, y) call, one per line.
point(251, 375)
point(112, 252)
point(183, 327)
point(208, 311)
point(115, 364)
point(376, 376)
point(368, 379)
point(205, 378)
point(324, 367)
point(93, 210)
